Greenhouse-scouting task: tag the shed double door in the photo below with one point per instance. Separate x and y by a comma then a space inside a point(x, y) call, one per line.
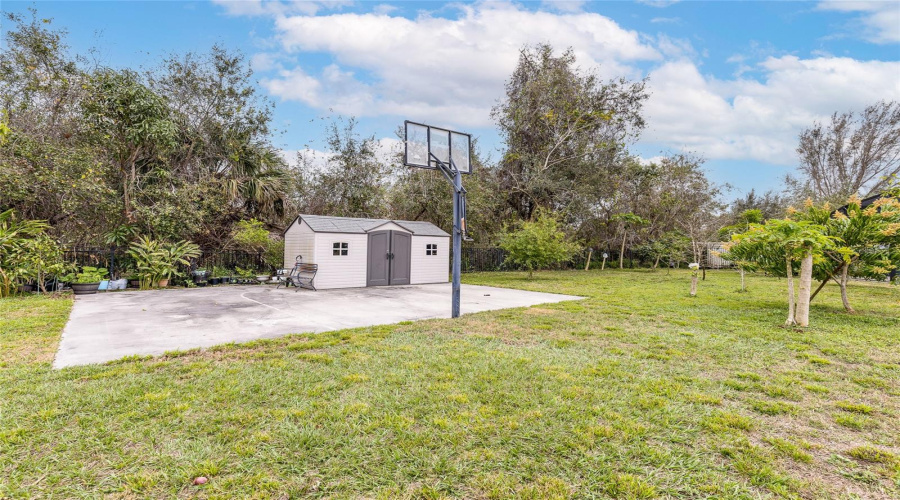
point(388, 263)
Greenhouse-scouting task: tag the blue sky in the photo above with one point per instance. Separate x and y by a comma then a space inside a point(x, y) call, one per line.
point(734, 82)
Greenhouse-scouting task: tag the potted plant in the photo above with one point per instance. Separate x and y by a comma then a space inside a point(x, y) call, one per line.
point(87, 281)
point(200, 277)
point(246, 276)
point(220, 275)
point(134, 279)
point(157, 262)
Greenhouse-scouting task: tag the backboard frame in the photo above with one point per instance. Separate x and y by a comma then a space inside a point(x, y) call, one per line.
point(432, 164)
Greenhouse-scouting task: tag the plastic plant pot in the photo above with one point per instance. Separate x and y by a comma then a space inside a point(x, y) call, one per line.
point(85, 288)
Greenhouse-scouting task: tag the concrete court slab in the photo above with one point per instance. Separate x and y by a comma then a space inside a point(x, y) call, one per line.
point(109, 326)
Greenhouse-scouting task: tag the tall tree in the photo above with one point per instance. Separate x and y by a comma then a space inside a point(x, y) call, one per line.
point(353, 181)
point(131, 123)
point(853, 154)
point(561, 127)
point(224, 130)
point(770, 205)
point(40, 85)
point(182, 151)
point(682, 197)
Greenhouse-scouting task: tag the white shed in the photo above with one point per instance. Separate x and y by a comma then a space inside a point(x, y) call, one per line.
point(354, 252)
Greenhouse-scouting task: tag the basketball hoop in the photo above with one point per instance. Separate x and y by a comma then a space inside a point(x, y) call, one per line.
point(450, 153)
point(428, 147)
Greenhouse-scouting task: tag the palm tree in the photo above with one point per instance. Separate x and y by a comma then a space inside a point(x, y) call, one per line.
point(255, 175)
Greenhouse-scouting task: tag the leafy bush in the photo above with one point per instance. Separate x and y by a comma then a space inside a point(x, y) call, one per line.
point(87, 274)
point(538, 243)
point(274, 254)
point(157, 261)
point(26, 252)
point(251, 235)
point(245, 273)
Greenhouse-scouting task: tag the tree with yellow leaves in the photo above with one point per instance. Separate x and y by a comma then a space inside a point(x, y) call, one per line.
point(867, 240)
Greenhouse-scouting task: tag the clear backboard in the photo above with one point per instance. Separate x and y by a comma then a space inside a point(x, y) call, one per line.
point(422, 141)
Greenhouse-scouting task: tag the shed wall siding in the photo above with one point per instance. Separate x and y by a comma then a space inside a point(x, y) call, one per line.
point(341, 271)
point(430, 268)
point(298, 240)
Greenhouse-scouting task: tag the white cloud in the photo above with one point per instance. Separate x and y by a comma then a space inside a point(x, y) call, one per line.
point(384, 9)
point(649, 161)
point(878, 22)
point(296, 84)
point(760, 120)
point(675, 47)
point(666, 20)
point(438, 69)
point(264, 61)
point(450, 71)
point(333, 89)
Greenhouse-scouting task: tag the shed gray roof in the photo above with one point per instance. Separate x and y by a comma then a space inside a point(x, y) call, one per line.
point(326, 224)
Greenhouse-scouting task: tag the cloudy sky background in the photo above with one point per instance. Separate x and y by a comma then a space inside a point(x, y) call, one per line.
point(733, 82)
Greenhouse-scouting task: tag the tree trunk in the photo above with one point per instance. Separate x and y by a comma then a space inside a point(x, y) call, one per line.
point(693, 286)
point(845, 278)
point(622, 251)
point(587, 265)
point(603, 265)
point(806, 269)
point(821, 286)
point(742, 279)
point(656, 263)
point(790, 286)
point(825, 282)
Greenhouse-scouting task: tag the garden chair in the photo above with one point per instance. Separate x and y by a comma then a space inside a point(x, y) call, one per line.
point(301, 276)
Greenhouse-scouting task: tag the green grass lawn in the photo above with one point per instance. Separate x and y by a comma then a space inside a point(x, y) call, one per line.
point(639, 391)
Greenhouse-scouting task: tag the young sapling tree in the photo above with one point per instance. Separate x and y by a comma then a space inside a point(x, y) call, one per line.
point(538, 243)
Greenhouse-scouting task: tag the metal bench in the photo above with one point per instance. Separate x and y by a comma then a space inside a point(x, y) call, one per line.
point(302, 276)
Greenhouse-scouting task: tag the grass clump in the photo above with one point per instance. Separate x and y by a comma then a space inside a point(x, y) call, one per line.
point(860, 408)
point(815, 360)
point(725, 420)
point(855, 422)
point(630, 486)
point(795, 451)
point(773, 407)
point(872, 454)
point(704, 399)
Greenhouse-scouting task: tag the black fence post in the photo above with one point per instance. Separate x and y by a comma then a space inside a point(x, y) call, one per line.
point(112, 263)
